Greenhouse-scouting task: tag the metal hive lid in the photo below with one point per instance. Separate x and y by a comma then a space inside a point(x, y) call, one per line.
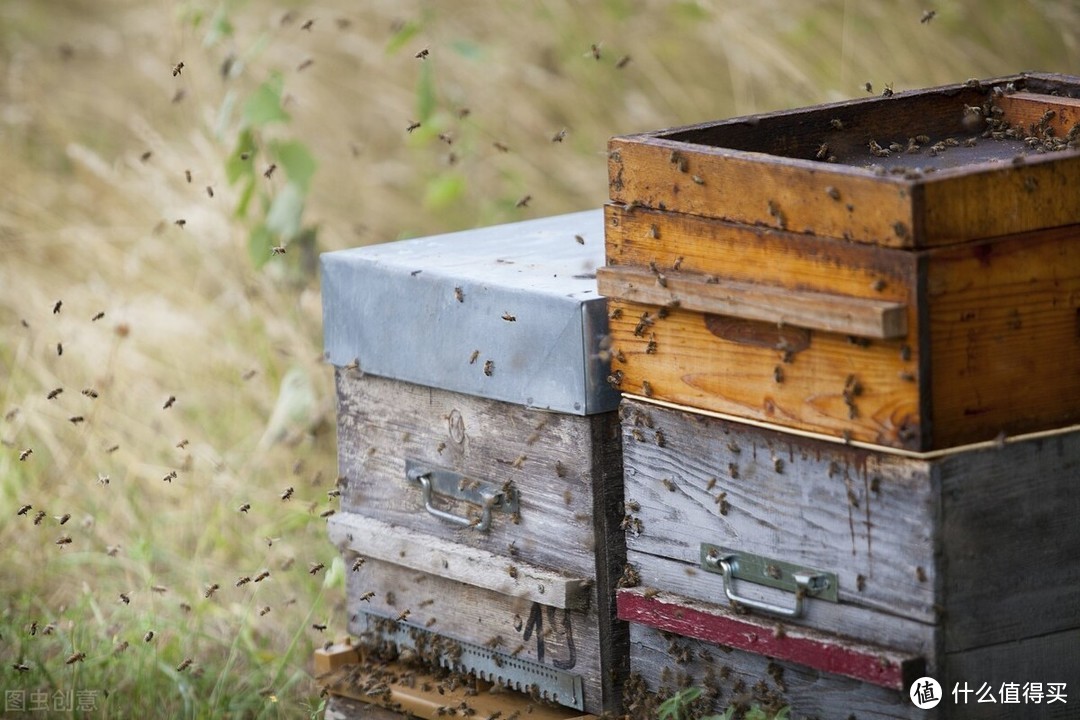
point(418, 310)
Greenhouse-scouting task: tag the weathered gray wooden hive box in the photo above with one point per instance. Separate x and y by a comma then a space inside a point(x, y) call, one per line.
point(480, 453)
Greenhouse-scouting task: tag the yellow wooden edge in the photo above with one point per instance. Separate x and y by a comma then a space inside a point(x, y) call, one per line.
point(340, 659)
point(929, 455)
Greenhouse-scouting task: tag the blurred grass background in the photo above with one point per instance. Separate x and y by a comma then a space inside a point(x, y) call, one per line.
point(98, 130)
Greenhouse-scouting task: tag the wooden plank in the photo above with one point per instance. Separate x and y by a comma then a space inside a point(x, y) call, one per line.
point(813, 649)
point(1004, 335)
point(567, 640)
point(782, 306)
point(1028, 110)
point(1011, 542)
point(414, 693)
point(373, 538)
point(662, 664)
point(1043, 659)
point(494, 441)
point(686, 358)
point(868, 516)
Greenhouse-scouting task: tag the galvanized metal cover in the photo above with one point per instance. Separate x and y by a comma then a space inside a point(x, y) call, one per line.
point(509, 312)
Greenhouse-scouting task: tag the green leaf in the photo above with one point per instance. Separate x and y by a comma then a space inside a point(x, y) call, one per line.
point(260, 245)
point(425, 92)
point(467, 49)
point(286, 209)
point(296, 160)
point(443, 191)
point(264, 105)
point(402, 36)
point(235, 166)
point(245, 197)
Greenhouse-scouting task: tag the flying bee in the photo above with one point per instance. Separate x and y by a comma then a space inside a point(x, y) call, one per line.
point(57, 306)
point(25, 509)
point(159, 589)
point(315, 567)
point(41, 516)
point(24, 455)
point(75, 657)
point(63, 518)
point(422, 54)
point(20, 667)
point(278, 250)
point(63, 539)
point(112, 550)
point(308, 24)
point(580, 240)
point(927, 16)
point(169, 477)
point(243, 580)
point(500, 147)
point(318, 626)
point(180, 223)
point(146, 155)
point(148, 636)
point(327, 513)
point(305, 65)
point(288, 493)
point(210, 590)
point(508, 317)
point(412, 126)
point(184, 665)
point(178, 68)
point(559, 136)
point(523, 202)
point(169, 402)
point(474, 356)
point(270, 170)
point(366, 597)
point(53, 393)
point(262, 576)
point(90, 393)
point(622, 62)
point(125, 598)
point(403, 615)
point(594, 50)
point(59, 348)
point(868, 87)
point(264, 611)
point(121, 647)
point(98, 316)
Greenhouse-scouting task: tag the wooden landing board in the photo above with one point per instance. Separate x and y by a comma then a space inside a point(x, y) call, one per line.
point(406, 691)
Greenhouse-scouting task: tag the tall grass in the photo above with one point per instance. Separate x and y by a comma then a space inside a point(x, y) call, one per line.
point(86, 218)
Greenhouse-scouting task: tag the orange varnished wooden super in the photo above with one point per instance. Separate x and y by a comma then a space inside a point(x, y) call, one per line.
point(773, 170)
point(991, 345)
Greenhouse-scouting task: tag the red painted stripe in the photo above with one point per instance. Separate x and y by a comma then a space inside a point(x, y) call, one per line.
point(810, 648)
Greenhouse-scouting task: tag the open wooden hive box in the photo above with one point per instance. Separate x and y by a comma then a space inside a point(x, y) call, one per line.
point(902, 271)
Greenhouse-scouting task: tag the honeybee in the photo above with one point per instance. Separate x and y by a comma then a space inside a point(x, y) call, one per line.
point(778, 374)
point(120, 647)
point(314, 568)
point(125, 598)
point(159, 589)
point(558, 137)
point(512, 571)
point(184, 665)
point(358, 563)
point(697, 179)
point(489, 367)
point(262, 576)
point(41, 516)
point(53, 393)
point(178, 68)
point(868, 87)
point(243, 580)
point(112, 550)
point(98, 316)
point(63, 539)
point(90, 393)
point(366, 597)
point(327, 513)
point(646, 388)
point(25, 509)
point(210, 590)
point(63, 518)
point(169, 402)
point(75, 657)
point(318, 626)
point(270, 170)
point(146, 155)
point(22, 458)
point(180, 223)
point(508, 317)
point(403, 615)
point(308, 24)
point(622, 62)
point(110, 450)
point(169, 477)
point(412, 126)
point(422, 54)
point(500, 146)
point(523, 202)
point(667, 483)
point(927, 16)
point(59, 348)
point(148, 636)
point(288, 493)
point(20, 667)
point(594, 50)
point(264, 611)
point(580, 240)
point(305, 65)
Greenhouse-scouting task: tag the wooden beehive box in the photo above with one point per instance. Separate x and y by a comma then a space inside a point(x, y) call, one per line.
point(792, 268)
point(877, 567)
point(480, 454)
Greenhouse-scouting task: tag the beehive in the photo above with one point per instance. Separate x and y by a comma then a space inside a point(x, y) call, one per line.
point(480, 454)
point(792, 268)
point(850, 572)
